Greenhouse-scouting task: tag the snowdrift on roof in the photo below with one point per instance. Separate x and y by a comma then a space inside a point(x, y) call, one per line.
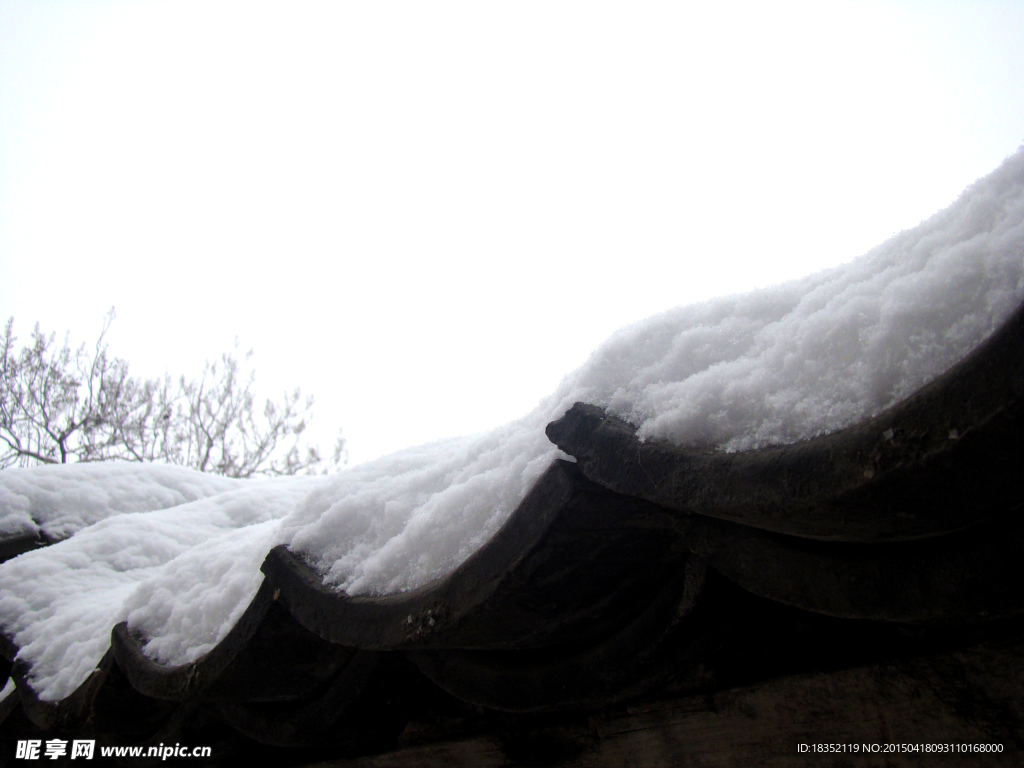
point(200, 559)
point(60, 500)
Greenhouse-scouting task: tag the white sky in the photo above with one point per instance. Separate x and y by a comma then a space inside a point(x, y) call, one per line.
point(426, 213)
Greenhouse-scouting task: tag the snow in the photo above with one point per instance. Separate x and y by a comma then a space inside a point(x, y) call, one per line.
point(59, 607)
point(815, 355)
point(770, 367)
point(60, 500)
point(402, 521)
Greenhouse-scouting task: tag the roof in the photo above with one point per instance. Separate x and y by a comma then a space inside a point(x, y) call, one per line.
point(620, 577)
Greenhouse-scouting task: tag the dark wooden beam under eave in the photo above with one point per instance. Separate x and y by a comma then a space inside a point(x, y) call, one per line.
point(973, 696)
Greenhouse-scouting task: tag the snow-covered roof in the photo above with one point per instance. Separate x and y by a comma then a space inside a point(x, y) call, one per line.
point(178, 556)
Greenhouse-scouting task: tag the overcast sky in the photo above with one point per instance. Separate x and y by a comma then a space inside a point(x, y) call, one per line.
point(426, 213)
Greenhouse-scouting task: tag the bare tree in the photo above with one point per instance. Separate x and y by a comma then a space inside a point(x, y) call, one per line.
point(59, 405)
